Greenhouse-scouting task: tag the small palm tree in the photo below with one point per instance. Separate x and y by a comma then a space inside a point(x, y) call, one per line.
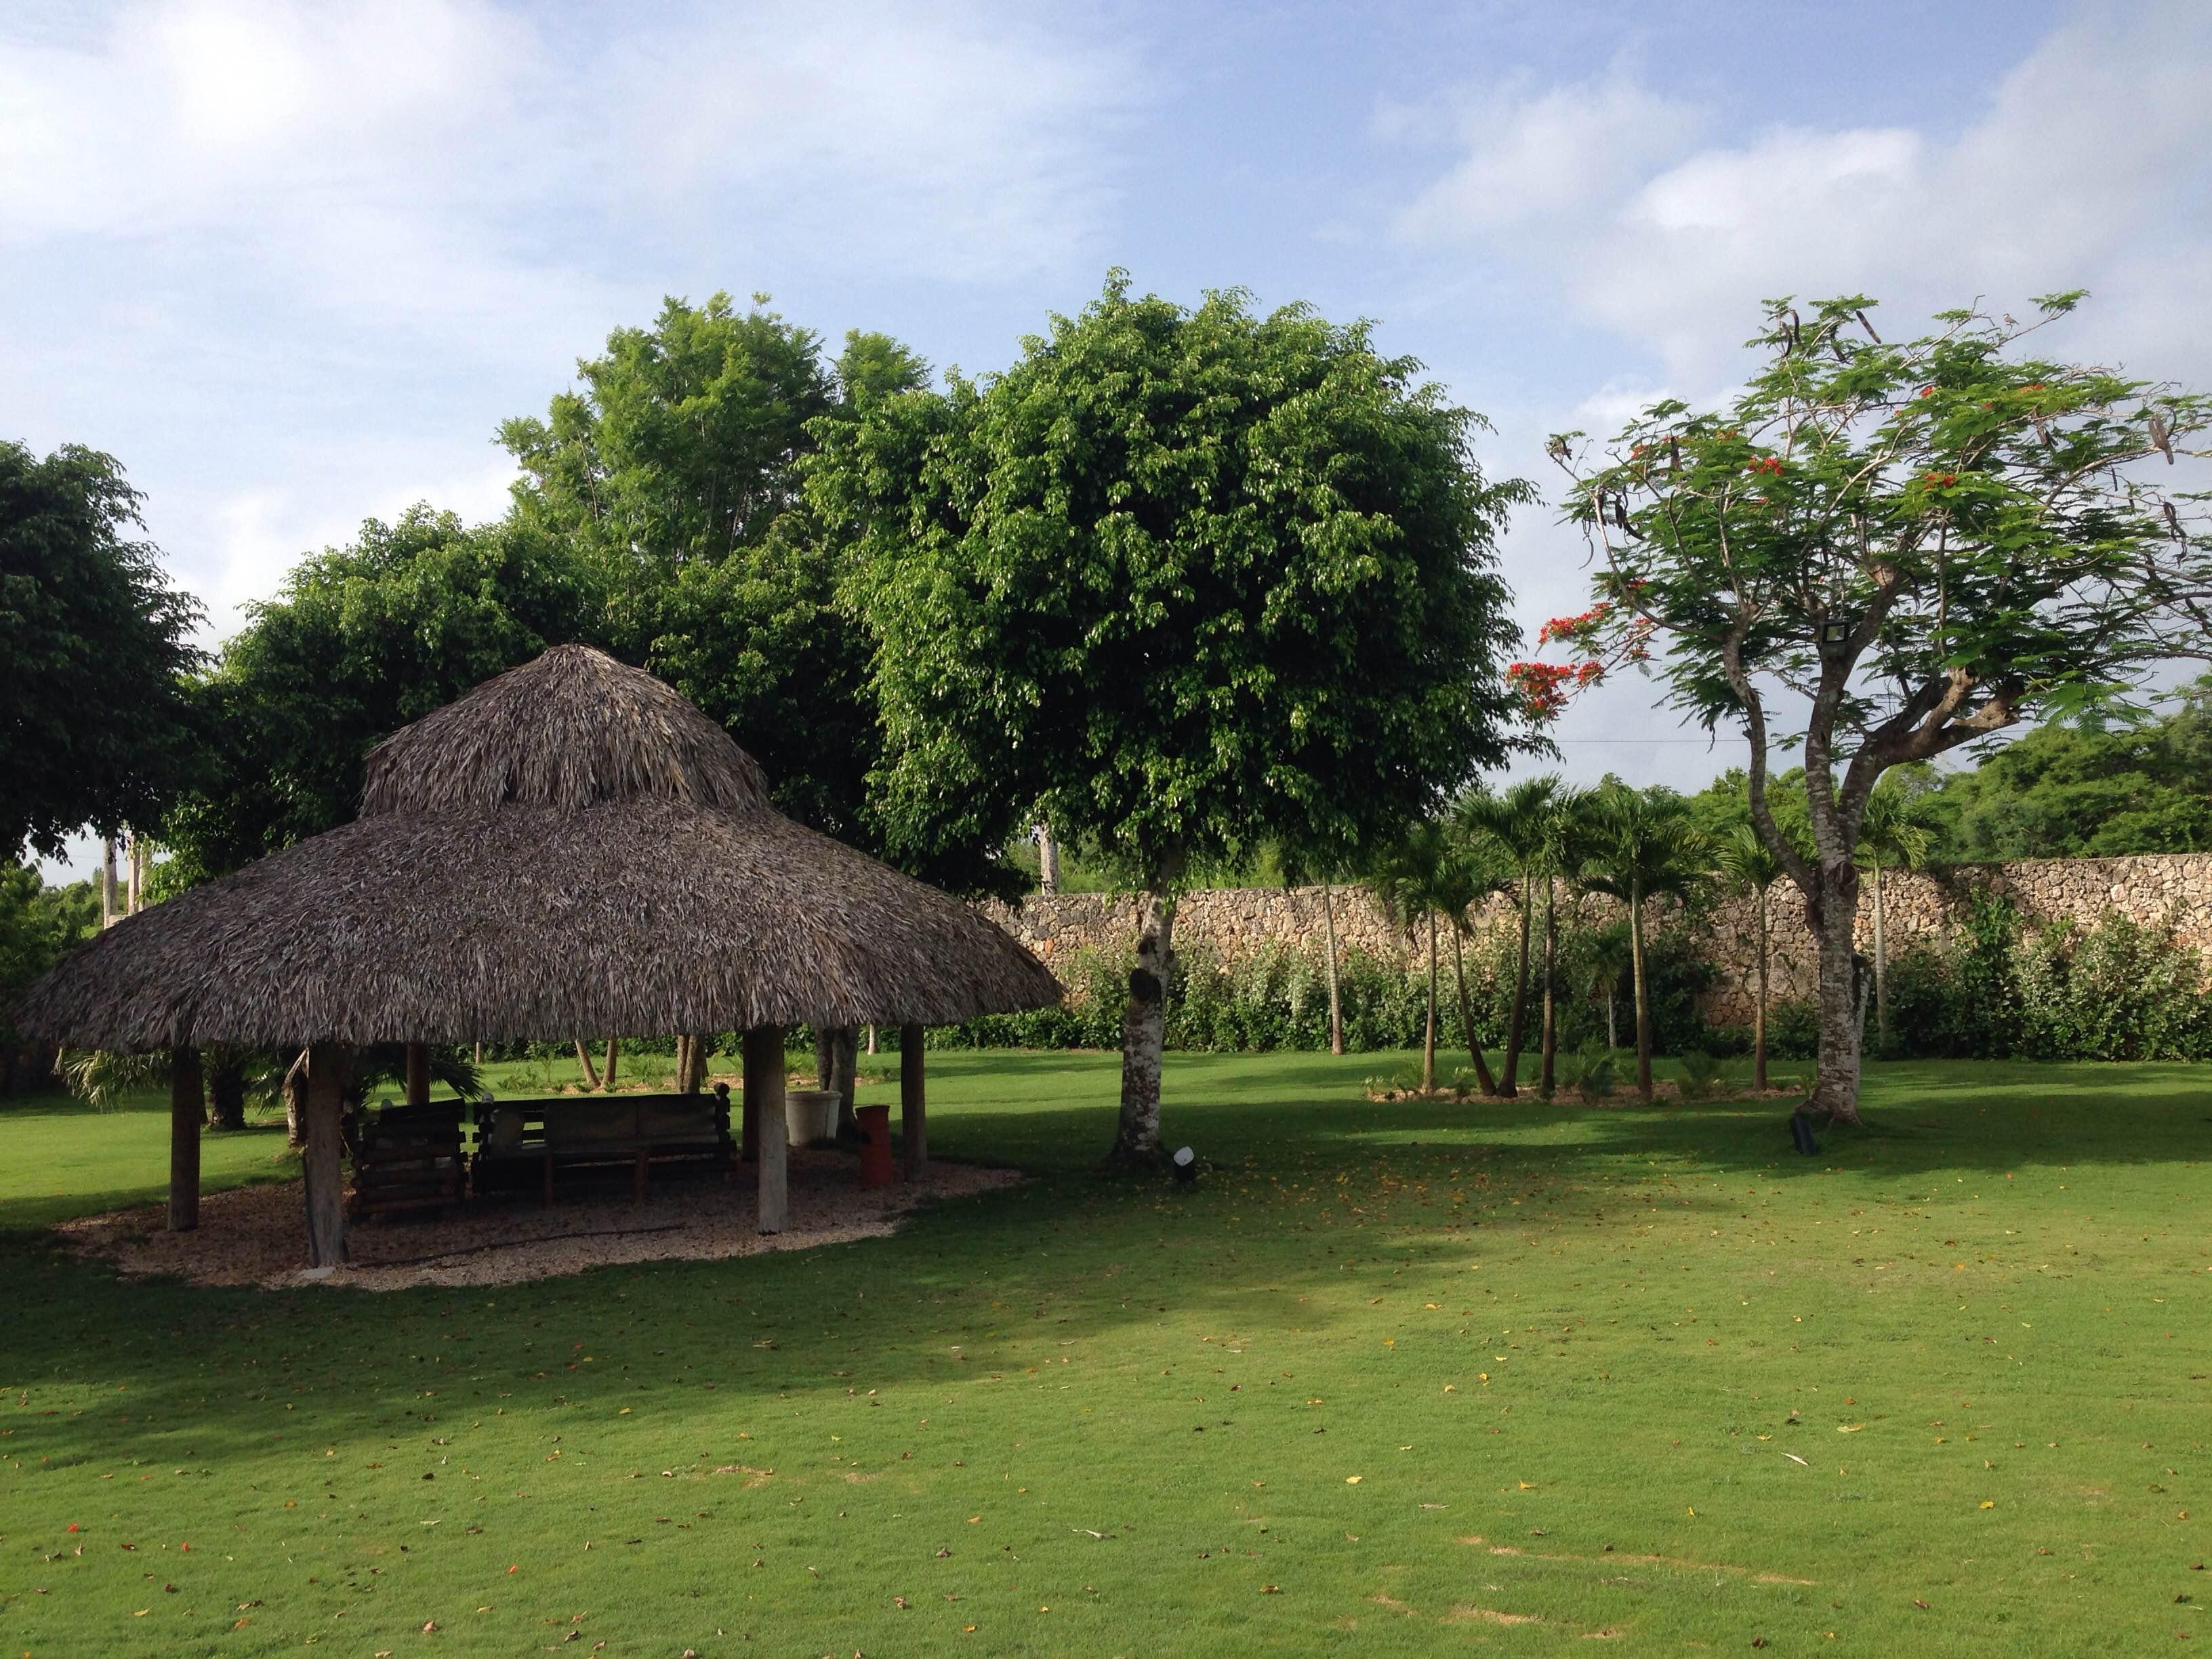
point(1750, 867)
point(1897, 832)
point(1643, 846)
point(1517, 825)
point(1426, 873)
point(1608, 960)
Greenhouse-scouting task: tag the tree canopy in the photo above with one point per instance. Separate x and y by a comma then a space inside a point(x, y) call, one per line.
point(1182, 579)
point(94, 644)
point(361, 640)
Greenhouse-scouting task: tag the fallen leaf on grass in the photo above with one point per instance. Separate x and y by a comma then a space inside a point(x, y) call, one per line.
point(1351, 1480)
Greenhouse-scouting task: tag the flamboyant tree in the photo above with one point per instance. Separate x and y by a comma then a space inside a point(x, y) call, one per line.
point(1881, 551)
point(1179, 582)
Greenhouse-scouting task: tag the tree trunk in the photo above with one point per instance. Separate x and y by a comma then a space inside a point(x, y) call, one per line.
point(1429, 1036)
point(1551, 1038)
point(418, 1074)
point(1467, 1021)
point(764, 1115)
point(328, 1065)
point(108, 913)
point(225, 1088)
point(187, 1110)
point(1516, 1021)
point(1612, 1026)
point(1880, 970)
point(1643, 1003)
point(871, 1039)
point(914, 1103)
point(1836, 1081)
point(294, 1091)
point(614, 1054)
point(1335, 996)
point(1759, 1011)
point(844, 1065)
point(1143, 1033)
point(1047, 860)
point(135, 855)
point(583, 1061)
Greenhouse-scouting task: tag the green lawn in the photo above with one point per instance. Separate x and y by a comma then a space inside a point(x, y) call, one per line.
point(1405, 1379)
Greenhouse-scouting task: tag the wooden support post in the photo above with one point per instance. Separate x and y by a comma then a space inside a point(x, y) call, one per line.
point(913, 1105)
point(329, 1065)
point(187, 1109)
point(418, 1074)
point(765, 1123)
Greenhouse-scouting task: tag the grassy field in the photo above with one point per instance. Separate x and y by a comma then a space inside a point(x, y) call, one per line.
point(1390, 1379)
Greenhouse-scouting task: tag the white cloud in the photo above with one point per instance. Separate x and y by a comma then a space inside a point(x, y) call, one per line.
point(2088, 167)
point(1549, 157)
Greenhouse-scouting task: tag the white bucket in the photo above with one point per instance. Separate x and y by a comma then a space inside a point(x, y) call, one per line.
point(811, 1116)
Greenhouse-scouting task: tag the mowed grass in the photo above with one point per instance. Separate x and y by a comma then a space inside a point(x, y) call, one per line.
point(1390, 1379)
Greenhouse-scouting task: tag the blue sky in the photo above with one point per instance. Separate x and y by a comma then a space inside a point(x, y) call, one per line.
point(293, 263)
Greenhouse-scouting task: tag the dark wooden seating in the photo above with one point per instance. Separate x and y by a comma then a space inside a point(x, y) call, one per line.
point(525, 1142)
point(406, 1157)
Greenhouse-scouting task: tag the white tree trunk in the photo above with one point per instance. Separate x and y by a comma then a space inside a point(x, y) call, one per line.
point(110, 912)
point(1047, 861)
point(1143, 1033)
point(323, 1163)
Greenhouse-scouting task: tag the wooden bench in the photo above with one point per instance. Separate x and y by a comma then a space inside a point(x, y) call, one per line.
point(516, 1139)
point(406, 1157)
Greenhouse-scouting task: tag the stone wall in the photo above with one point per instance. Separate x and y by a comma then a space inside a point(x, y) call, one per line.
point(1919, 910)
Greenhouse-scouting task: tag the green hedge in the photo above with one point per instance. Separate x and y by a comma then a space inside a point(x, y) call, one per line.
point(2114, 990)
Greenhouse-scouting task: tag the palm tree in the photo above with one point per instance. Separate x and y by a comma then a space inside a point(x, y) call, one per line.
point(1608, 961)
point(1643, 846)
point(1750, 867)
point(1517, 825)
point(1426, 874)
point(1566, 837)
point(1898, 831)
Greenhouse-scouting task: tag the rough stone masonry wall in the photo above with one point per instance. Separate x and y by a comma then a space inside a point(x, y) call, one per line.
point(1919, 910)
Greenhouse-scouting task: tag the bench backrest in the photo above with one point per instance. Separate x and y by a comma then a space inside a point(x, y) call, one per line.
point(580, 1125)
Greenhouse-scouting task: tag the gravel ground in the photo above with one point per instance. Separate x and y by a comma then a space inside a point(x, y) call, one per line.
point(256, 1235)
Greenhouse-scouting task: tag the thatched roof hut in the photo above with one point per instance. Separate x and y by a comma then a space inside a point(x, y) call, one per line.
point(570, 848)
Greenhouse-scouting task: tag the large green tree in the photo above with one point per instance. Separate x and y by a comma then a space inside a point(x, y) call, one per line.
point(361, 640)
point(1177, 581)
point(1881, 551)
point(94, 644)
point(675, 472)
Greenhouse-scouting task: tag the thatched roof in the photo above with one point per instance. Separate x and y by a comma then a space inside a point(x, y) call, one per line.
point(570, 729)
point(652, 917)
point(569, 850)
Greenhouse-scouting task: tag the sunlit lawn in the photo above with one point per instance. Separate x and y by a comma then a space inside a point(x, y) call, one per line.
point(1391, 1378)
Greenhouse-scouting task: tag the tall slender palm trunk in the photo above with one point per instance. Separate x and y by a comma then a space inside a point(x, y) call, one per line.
point(1517, 1023)
point(1642, 998)
point(1758, 1012)
point(583, 1061)
point(1880, 970)
point(1467, 1021)
point(1551, 1038)
point(1335, 996)
point(1429, 1040)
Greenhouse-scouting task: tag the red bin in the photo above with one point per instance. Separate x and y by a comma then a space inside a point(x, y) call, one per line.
point(876, 1146)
